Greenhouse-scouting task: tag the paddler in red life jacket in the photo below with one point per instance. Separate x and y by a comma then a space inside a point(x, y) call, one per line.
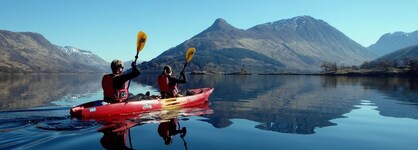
point(115, 85)
point(168, 83)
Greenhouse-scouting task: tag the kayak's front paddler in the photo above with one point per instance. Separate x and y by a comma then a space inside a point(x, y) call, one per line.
point(115, 85)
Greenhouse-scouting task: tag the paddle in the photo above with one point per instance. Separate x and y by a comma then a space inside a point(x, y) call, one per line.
point(189, 55)
point(141, 39)
point(140, 43)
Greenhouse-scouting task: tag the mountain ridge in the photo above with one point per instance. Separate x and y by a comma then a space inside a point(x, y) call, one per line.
point(300, 44)
point(410, 52)
point(391, 42)
point(29, 52)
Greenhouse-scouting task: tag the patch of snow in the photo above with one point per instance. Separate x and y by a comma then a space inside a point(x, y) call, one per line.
point(72, 50)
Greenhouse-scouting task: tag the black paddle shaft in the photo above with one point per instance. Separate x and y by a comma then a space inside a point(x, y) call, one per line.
point(185, 64)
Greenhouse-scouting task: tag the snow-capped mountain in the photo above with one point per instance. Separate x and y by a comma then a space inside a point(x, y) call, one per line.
point(27, 52)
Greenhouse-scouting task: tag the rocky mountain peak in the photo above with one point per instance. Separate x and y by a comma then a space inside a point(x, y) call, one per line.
point(296, 44)
point(295, 21)
point(303, 18)
point(220, 25)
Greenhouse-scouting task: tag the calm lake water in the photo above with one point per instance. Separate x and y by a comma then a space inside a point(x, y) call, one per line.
point(245, 112)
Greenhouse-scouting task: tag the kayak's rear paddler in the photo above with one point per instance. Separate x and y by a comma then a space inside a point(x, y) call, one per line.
point(115, 85)
point(168, 83)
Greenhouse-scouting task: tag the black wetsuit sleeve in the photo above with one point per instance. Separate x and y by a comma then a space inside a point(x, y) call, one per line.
point(172, 80)
point(119, 81)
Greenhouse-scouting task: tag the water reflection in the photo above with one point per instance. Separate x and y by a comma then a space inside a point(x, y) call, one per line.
point(117, 136)
point(285, 104)
point(403, 90)
point(397, 94)
point(300, 104)
point(116, 133)
point(241, 87)
point(26, 91)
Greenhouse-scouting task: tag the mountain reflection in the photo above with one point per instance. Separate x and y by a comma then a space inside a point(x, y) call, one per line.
point(403, 90)
point(298, 104)
point(26, 91)
point(285, 104)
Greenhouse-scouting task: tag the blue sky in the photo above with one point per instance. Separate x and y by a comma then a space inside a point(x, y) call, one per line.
point(109, 27)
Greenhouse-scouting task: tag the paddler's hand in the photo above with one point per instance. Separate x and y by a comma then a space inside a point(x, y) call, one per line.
point(181, 74)
point(134, 67)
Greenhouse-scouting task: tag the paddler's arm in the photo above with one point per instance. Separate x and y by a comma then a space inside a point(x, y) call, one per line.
point(128, 76)
point(173, 80)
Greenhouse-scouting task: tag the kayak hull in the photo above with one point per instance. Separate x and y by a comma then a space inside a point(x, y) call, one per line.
point(99, 108)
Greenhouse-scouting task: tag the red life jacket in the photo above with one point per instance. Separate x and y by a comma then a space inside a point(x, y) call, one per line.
point(115, 94)
point(163, 82)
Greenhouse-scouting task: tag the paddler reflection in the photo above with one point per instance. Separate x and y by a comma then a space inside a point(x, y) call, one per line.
point(115, 135)
point(116, 131)
point(167, 130)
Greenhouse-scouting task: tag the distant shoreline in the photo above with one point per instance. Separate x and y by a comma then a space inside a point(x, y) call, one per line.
point(393, 72)
point(362, 72)
point(49, 73)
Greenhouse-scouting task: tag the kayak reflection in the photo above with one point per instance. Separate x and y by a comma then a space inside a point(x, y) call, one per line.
point(116, 134)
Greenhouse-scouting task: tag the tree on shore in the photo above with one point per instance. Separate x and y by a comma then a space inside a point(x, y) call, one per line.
point(329, 67)
point(379, 64)
point(411, 65)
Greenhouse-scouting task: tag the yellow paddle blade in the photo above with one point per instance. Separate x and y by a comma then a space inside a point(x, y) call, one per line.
point(189, 54)
point(140, 41)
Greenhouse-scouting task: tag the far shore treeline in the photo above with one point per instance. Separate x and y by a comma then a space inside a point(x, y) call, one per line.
point(405, 67)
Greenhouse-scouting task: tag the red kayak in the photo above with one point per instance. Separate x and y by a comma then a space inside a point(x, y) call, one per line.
point(100, 108)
